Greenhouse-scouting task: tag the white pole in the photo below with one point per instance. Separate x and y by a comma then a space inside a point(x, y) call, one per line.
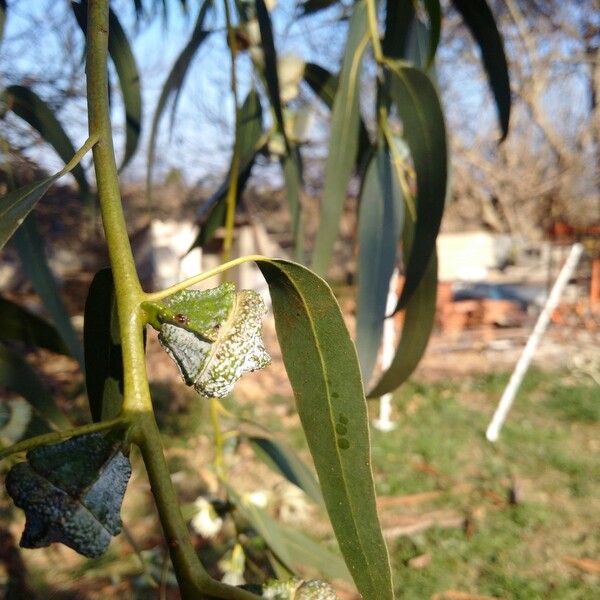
point(493, 430)
point(384, 422)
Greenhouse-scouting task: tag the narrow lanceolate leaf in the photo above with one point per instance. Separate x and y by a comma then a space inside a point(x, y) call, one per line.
point(2, 18)
point(323, 369)
point(398, 20)
point(343, 144)
point(176, 78)
point(33, 258)
point(309, 7)
point(325, 84)
point(18, 323)
point(479, 19)
point(270, 57)
point(102, 347)
point(16, 205)
point(419, 107)
point(281, 459)
point(291, 547)
point(292, 174)
point(434, 13)
point(378, 234)
point(18, 376)
point(211, 215)
point(127, 72)
point(419, 317)
point(27, 105)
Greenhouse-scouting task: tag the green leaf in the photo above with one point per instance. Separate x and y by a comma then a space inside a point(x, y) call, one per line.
point(292, 173)
point(18, 323)
point(214, 336)
point(310, 7)
point(419, 318)
point(33, 258)
point(419, 107)
point(324, 84)
point(282, 460)
point(211, 214)
point(379, 228)
point(18, 376)
point(102, 348)
point(71, 493)
point(291, 547)
point(323, 369)
point(479, 19)
point(127, 72)
point(2, 18)
point(343, 141)
point(435, 25)
point(27, 105)
point(270, 57)
point(398, 19)
point(175, 80)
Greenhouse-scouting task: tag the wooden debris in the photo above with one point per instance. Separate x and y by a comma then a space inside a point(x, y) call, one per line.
point(420, 562)
point(456, 595)
point(410, 525)
point(587, 565)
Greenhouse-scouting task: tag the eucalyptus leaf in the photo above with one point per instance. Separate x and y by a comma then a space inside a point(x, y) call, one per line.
point(214, 336)
point(480, 20)
point(102, 346)
point(291, 547)
point(399, 17)
point(434, 12)
point(30, 247)
point(17, 376)
point(419, 318)
point(27, 105)
point(2, 18)
point(175, 80)
point(378, 233)
point(323, 369)
point(418, 104)
point(281, 459)
point(270, 66)
point(18, 323)
point(211, 214)
point(72, 493)
point(325, 84)
point(127, 72)
point(17, 204)
point(343, 141)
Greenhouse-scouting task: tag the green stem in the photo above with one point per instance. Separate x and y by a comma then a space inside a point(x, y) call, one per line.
point(374, 30)
point(235, 159)
point(59, 436)
point(194, 582)
point(186, 283)
point(193, 579)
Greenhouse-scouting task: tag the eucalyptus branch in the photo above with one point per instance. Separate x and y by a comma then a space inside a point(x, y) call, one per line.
point(193, 579)
point(190, 281)
point(374, 30)
point(235, 159)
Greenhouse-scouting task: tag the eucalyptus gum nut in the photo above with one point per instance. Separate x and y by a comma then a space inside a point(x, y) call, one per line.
point(297, 589)
point(315, 590)
point(214, 336)
point(76, 503)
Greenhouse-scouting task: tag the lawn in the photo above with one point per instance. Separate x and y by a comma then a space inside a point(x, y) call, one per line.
point(531, 502)
point(464, 519)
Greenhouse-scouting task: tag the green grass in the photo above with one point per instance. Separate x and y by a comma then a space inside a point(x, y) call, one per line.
point(549, 446)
